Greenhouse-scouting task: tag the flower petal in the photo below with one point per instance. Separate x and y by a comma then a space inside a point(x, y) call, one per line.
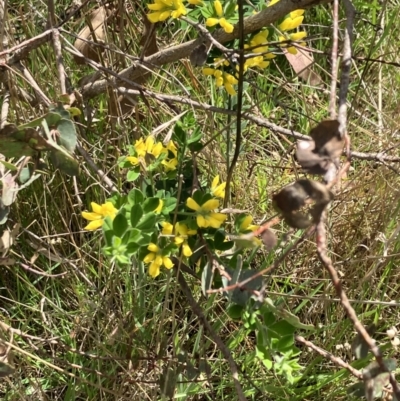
point(168, 262)
point(91, 216)
point(159, 208)
point(192, 204)
point(154, 270)
point(211, 21)
point(218, 8)
point(149, 257)
point(210, 204)
point(94, 225)
point(153, 247)
point(216, 219)
point(215, 182)
point(96, 207)
point(201, 221)
point(168, 228)
point(186, 250)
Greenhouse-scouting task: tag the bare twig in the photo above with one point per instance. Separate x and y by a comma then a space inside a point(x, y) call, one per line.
point(22, 50)
point(238, 142)
point(335, 29)
point(222, 347)
point(59, 60)
point(260, 121)
point(29, 78)
point(103, 176)
point(346, 65)
point(336, 360)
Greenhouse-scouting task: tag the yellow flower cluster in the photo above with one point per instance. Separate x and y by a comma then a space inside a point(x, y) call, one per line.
point(165, 9)
point(222, 79)
point(181, 232)
point(152, 149)
point(219, 18)
point(258, 44)
point(292, 21)
point(156, 260)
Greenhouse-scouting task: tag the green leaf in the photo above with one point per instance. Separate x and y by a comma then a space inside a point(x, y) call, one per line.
point(133, 174)
point(150, 204)
point(65, 162)
point(359, 347)
point(169, 205)
point(132, 248)
point(135, 196)
point(24, 175)
point(9, 166)
point(282, 328)
point(147, 222)
point(136, 214)
point(167, 383)
point(120, 225)
point(116, 242)
point(196, 147)
point(284, 344)
point(235, 312)
point(179, 134)
point(206, 278)
point(66, 129)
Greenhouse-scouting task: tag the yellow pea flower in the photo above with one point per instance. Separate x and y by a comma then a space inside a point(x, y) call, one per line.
point(156, 260)
point(221, 20)
point(218, 190)
point(100, 212)
point(165, 9)
point(205, 215)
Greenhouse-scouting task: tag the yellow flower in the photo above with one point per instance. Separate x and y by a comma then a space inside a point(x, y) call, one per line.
point(222, 79)
point(158, 209)
point(196, 2)
point(293, 36)
point(294, 20)
point(170, 164)
point(143, 148)
point(180, 233)
point(218, 190)
point(228, 27)
point(205, 216)
point(156, 260)
point(165, 9)
point(272, 2)
point(298, 35)
point(258, 61)
point(98, 215)
point(247, 226)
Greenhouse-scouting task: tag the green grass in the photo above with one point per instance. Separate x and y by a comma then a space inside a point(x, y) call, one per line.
point(106, 332)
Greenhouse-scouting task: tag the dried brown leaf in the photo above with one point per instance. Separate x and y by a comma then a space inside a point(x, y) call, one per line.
point(301, 64)
point(98, 19)
point(294, 197)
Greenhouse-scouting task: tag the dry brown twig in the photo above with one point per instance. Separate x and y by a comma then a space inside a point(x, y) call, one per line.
point(197, 310)
point(336, 360)
point(320, 227)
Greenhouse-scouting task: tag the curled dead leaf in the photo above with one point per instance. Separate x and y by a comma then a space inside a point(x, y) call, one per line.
point(98, 20)
point(291, 199)
point(269, 239)
point(199, 55)
point(317, 155)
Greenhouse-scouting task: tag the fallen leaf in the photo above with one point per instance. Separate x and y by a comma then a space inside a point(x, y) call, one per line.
point(294, 197)
point(301, 63)
point(98, 19)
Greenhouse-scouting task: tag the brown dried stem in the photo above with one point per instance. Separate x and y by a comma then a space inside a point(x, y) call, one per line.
point(336, 360)
point(222, 347)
